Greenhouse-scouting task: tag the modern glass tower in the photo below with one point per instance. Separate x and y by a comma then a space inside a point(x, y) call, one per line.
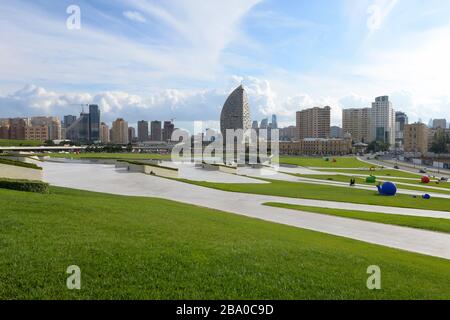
point(94, 123)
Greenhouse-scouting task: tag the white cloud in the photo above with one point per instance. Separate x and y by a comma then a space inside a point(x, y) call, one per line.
point(134, 16)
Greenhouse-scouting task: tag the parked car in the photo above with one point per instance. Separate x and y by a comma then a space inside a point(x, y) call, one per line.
point(422, 171)
point(396, 167)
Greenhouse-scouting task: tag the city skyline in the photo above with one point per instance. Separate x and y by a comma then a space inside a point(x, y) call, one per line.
point(172, 74)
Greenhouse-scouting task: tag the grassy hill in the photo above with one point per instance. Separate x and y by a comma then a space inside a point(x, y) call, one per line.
point(144, 248)
point(321, 162)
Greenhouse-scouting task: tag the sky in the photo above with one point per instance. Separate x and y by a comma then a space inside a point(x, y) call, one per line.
point(174, 59)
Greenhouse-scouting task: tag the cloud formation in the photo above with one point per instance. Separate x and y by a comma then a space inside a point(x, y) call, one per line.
point(134, 16)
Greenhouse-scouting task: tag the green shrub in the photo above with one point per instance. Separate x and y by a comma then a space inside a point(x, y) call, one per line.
point(19, 164)
point(24, 185)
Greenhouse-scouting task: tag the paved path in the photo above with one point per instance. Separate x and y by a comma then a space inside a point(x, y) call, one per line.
point(105, 178)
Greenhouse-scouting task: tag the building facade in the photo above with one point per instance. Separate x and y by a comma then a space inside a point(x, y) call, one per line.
point(356, 122)
point(104, 133)
point(440, 123)
point(156, 131)
point(383, 121)
point(168, 130)
point(36, 132)
point(416, 138)
point(313, 123)
point(288, 133)
point(142, 130)
point(317, 147)
point(401, 119)
point(119, 132)
point(131, 134)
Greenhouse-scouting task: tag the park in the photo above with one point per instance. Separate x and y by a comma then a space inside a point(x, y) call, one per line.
point(299, 231)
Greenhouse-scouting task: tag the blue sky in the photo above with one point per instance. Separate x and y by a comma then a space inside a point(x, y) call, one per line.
point(179, 59)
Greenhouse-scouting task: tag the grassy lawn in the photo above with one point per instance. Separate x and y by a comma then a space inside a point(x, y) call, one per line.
point(341, 162)
point(433, 224)
point(418, 185)
point(131, 156)
point(19, 143)
point(379, 172)
point(144, 248)
point(331, 193)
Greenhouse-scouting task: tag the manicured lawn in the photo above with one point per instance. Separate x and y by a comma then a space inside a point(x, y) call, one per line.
point(143, 248)
point(19, 143)
point(135, 156)
point(433, 224)
point(323, 192)
point(399, 182)
point(379, 172)
point(341, 162)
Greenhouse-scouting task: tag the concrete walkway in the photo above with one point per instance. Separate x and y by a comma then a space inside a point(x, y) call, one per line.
point(105, 178)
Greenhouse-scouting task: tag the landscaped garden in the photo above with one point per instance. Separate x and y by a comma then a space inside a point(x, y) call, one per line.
point(325, 162)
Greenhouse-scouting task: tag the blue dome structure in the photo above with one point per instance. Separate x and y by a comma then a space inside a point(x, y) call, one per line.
point(426, 196)
point(387, 189)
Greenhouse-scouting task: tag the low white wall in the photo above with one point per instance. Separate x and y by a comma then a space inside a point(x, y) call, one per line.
point(161, 171)
point(14, 172)
point(232, 170)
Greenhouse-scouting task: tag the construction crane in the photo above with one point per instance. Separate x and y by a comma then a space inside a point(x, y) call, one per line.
point(81, 104)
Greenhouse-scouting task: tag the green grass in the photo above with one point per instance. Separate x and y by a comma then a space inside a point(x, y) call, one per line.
point(20, 143)
point(433, 224)
point(378, 172)
point(399, 182)
point(324, 192)
point(19, 164)
point(129, 156)
point(143, 248)
point(341, 162)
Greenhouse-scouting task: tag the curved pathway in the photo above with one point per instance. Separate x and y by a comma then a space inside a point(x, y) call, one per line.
point(108, 179)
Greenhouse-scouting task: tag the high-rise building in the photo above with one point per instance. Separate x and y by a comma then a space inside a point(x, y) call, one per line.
point(69, 120)
point(94, 123)
point(255, 125)
point(336, 132)
point(416, 138)
point(356, 122)
point(131, 134)
point(401, 119)
point(156, 131)
point(313, 123)
point(119, 132)
point(235, 112)
point(383, 121)
point(274, 123)
point(439, 123)
point(288, 133)
point(104, 133)
point(264, 124)
point(79, 130)
point(168, 130)
point(142, 130)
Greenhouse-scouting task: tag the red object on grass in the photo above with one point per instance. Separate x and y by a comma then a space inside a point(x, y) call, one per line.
point(425, 179)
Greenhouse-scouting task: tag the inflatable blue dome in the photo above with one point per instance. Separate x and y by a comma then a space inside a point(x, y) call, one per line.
point(387, 189)
point(426, 196)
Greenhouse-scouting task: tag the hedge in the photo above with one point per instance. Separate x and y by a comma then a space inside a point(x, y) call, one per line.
point(146, 164)
point(24, 185)
point(19, 164)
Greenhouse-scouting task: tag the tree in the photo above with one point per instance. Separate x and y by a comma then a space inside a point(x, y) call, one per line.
point(440, 142)
point(377, 146)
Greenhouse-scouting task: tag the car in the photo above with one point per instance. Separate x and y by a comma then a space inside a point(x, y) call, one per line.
point(422, 171)
point(396, 167)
